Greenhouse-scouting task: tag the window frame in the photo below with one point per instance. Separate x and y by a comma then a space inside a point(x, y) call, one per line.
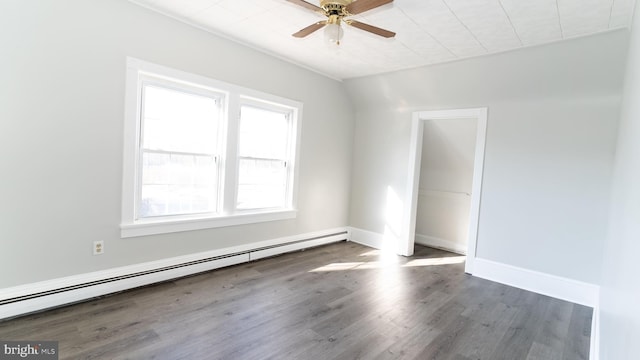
point(232, 97)
point(147, 79)
point(291, 114)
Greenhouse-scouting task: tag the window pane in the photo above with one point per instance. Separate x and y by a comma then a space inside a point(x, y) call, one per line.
point(263, 133)
point(179, 121)
point(261, 184)
point(177, 184)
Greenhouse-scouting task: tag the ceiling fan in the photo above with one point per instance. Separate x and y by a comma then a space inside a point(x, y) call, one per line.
point(336, 11)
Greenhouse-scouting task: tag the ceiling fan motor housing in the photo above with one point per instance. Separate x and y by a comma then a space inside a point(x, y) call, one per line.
point(335, 7)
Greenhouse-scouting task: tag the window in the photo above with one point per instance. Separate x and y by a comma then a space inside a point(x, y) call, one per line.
point(263, 157)
point(178, 151)
point(200, 153)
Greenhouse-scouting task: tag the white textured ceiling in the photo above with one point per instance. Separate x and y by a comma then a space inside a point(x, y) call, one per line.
point(428, 31)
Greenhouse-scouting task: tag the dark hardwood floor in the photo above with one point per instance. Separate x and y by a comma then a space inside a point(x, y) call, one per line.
point(340, 301)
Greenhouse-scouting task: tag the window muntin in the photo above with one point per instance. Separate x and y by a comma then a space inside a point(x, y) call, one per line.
point(178, 149)
point(264, 151)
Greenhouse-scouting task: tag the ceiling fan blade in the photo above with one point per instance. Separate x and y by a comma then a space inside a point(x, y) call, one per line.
point(309, 29)
point(360, 6)
point(307, 5)
point(371, 29)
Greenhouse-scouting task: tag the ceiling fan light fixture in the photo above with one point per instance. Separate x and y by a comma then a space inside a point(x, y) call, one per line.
point(333, 33)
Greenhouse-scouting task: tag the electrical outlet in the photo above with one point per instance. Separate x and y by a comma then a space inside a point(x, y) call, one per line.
point(98, 247)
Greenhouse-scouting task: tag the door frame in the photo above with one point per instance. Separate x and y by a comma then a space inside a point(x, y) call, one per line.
point(407, 241)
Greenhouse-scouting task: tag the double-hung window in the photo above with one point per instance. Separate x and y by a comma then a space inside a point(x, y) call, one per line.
point(178, 154)
point(264, 166)
point(200, 153)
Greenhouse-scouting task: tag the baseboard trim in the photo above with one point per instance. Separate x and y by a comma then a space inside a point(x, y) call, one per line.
point(555, 286)
point(367, 238)
point(29, 298)
point(594, 351)
point(439, 243)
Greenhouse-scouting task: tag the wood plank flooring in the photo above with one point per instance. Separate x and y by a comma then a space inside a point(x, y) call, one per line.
point(340, 301)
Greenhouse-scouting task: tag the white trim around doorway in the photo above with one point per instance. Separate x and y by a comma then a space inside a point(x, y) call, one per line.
point(407, 240)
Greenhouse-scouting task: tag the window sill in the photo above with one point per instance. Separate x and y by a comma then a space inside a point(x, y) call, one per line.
point(150, 227)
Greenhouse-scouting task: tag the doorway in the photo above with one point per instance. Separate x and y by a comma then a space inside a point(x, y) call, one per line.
point(479, 115)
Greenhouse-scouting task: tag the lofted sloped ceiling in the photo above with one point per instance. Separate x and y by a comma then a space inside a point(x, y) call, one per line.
point(428, 31)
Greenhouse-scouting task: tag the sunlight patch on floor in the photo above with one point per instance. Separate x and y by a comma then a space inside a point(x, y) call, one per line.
point(374, 252)
point(368, 265)
point(436, 261)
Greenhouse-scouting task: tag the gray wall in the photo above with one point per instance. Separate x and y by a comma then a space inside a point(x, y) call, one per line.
point(620, 287)
point(61, 124)
point(446, 177)
point(553, 113)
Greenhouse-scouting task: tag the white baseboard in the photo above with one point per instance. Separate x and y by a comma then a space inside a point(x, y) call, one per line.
point(367, 238)
point(594, 351)
point(439, 243)
point(24, 299)
point(555, 286)
point(377, 241)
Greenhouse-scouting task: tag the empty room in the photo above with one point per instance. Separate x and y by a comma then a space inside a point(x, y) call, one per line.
point(319, 179)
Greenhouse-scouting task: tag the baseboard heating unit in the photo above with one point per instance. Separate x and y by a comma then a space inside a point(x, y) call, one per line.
point(24, 299)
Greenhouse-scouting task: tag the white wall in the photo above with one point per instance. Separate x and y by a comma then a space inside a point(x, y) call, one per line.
point(552, 121)
point(61, 126)
point(620, 287)
point(446, 177)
